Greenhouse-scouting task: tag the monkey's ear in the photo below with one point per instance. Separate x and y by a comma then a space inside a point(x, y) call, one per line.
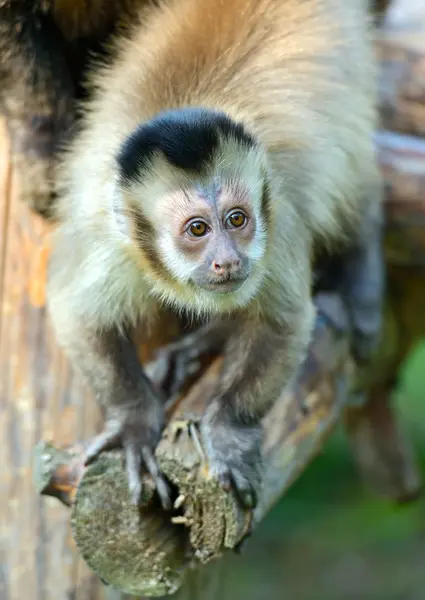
point(188, 138)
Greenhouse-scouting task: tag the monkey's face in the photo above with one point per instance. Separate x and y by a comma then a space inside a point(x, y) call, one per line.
point(195, 183)
point(212, 236)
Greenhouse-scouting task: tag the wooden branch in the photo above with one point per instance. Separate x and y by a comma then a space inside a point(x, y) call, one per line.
point(148, 552)
point(402, 87)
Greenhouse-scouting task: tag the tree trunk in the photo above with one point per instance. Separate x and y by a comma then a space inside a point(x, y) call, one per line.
point(40, 398)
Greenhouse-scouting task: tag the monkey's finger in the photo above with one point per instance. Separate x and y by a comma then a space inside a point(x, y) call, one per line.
point(133, 463)
point(107, 440)
point(160, 483)
point(243, 488)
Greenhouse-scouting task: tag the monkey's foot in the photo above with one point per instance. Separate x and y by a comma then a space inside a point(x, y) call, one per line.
point(139, 443)
point(366, 322)
point(234, 457)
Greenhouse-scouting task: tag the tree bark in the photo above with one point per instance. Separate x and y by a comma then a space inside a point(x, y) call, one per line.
point(40, 398)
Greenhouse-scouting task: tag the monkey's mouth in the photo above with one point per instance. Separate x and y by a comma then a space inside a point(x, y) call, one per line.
point(224, 286)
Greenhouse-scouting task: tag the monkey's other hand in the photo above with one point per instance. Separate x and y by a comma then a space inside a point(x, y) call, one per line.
point(133, 429)
point(234, 455)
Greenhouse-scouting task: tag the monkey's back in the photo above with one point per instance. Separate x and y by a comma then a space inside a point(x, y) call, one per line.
point(247, 54)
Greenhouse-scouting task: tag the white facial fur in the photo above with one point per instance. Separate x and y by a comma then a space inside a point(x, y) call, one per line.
point(162, 192)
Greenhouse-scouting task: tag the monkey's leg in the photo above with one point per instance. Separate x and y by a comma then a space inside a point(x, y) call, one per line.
point(36, 97)
point(363, 277)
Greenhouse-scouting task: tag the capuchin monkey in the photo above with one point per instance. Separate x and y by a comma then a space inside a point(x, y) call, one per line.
point(227, 145)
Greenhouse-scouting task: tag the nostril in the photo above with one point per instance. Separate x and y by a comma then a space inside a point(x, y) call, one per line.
point(222, 268)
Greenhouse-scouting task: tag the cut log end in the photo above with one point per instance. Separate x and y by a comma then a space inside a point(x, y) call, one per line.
point(135, 549)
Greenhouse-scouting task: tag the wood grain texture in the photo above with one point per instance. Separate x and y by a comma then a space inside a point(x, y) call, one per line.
point(39, 398)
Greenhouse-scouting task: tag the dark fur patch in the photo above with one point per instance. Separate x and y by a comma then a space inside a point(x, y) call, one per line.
point(145, 236)
point(265, 203)
point(188, 138)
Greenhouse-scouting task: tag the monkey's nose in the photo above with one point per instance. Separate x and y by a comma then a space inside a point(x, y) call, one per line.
point(226, 267)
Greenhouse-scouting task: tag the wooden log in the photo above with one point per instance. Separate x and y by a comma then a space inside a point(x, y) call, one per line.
point(39, 398)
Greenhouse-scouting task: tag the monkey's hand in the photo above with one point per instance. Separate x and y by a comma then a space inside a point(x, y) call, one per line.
point(138, 432)
point(234, 455)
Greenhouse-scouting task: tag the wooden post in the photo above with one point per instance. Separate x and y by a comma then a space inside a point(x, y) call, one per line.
point(39, 398)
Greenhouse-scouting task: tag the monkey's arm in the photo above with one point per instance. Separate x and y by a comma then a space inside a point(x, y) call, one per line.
point(261, 358)
point(36, 96)
point(108, 361)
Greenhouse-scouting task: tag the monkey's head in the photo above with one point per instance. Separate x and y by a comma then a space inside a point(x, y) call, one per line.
point(193, 184)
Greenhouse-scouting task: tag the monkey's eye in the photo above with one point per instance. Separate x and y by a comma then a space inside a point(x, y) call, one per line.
point(197, 228)
point(236, 219)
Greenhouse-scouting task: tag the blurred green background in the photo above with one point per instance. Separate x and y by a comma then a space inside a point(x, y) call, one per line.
point(330, 538)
